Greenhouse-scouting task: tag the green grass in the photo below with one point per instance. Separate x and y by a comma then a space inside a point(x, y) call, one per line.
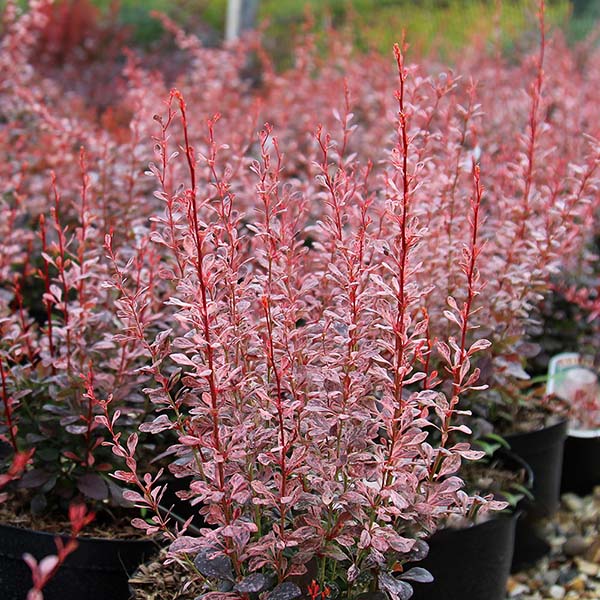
point(429, 24)
point(442, 25)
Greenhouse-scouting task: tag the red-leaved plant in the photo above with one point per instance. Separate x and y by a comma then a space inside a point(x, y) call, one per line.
point(299, 373)
point(46, 367)
point(543, 189)
point(65, 188)
point(323, 283)
point(44, 570)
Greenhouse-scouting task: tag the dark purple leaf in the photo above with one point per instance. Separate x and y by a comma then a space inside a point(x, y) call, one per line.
point(285, 591)
point(225, 586)
point(34, 478)
point(213, 565)
point(395, 588)
point(418, 574)
point(56, 409)
point(38, 504)
point(76, 429)
point(49, 485)
point(253, 584)
point(116, 494)
point(93, 486)
point(48, 454)
point(419, 551)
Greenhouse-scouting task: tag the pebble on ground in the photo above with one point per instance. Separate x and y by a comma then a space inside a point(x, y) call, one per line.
point(572, 570)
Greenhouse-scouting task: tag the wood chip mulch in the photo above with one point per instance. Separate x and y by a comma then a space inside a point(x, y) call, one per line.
point(157, 581)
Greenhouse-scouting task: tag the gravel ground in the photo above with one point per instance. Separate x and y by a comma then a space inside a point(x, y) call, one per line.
point(572, 570)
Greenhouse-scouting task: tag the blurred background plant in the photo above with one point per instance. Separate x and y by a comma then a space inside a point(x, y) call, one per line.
point(438, 26)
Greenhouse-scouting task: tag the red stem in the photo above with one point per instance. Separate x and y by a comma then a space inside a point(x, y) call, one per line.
point(61, 270)
point(470, 271)
point(404, 243)
point(6, 401)
point(198, 241)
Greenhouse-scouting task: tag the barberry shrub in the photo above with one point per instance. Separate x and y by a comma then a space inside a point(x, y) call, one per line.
point(314, 412)
point(311, 302)
point(61, 196)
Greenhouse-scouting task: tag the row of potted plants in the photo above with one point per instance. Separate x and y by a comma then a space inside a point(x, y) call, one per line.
point(299, 327)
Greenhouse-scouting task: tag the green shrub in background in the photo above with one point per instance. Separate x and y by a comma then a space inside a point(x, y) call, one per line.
point(440, 25)
point(585, 17)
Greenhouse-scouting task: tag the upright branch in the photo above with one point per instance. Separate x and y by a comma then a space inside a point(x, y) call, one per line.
point(198, 234)
point(61, 264)
point(402, 240)
point(407, 342)
point(331, 183)
point(534, 120)
point(528, 175)
point(229, 237)
point(162, 173)
point(268, 192)
point(212, 339)
point(452, 188)
point(469, 268)
point(272, 236)
point(456, 355)
point(279, 406)
point(348, 199)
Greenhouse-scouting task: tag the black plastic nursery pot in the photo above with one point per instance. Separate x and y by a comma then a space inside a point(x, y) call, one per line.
point(543, 451)
point(97, 570)
point(581, 462)
point(471, 563)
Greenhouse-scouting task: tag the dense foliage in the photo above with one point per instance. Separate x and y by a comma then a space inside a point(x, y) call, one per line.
point(291, 288)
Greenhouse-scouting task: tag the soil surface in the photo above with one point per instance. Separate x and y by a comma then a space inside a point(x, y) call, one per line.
point(533, 416)
point(483, 477)
point(107, 525)
point(156, 581)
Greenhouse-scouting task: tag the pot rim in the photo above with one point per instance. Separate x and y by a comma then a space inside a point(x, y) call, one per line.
point(583, 433)
point(80, 539)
